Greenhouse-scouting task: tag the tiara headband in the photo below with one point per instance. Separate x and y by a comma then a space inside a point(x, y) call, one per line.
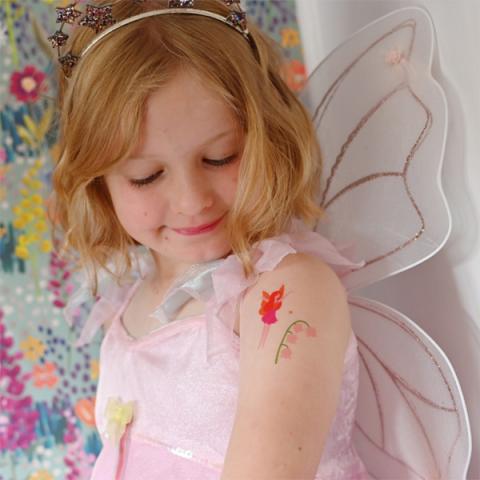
point(100, 19)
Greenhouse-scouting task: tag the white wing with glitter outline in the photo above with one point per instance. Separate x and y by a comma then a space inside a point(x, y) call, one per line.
point(381, 121)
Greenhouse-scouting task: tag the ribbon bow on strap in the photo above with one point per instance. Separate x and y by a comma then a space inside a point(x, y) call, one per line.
point(118, 414)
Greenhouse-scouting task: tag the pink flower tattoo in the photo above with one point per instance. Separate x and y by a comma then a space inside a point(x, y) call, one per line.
point(290, 338)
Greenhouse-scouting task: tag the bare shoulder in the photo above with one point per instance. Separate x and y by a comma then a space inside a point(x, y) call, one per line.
point(302, 266)
point(302, 285)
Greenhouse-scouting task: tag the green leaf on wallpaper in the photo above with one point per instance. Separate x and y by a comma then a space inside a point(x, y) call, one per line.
point(25, 136)
point(46, 122)
point(41, 36)
point(35, 133)
point(30, 124)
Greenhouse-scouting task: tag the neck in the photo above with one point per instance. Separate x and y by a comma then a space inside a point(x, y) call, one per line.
point(167, 271)
point(165, 274)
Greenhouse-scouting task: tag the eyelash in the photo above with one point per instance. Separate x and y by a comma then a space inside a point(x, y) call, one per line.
point(146, 181)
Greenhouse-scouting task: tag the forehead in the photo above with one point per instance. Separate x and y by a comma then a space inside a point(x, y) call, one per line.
point(182, 115)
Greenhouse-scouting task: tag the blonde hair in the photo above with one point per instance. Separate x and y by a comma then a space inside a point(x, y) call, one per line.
point(101, 110)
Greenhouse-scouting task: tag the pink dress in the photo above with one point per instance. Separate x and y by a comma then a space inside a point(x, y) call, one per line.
point(183, 402)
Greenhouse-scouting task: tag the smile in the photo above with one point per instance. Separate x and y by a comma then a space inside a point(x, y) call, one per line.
point(198, 230)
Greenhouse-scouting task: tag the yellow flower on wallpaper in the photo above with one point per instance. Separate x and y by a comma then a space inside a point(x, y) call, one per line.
point(41, 226)
point(37, 211)
point(32, 348)
point(23, 240)
point(57, 3)
point(290, 37)
point(46, 246)
point(41, 475)
point(33, 237)
point(94, 369)
point(31, 218)
point(21, 251)
point(37, 199)
point(19, 222)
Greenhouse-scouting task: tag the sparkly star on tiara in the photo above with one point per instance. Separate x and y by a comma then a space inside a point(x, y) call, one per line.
point(100, 19)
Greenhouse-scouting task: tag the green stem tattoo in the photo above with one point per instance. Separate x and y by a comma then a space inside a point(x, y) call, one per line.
point(287, 331)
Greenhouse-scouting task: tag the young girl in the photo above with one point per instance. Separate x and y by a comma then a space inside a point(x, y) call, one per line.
point(230, 353)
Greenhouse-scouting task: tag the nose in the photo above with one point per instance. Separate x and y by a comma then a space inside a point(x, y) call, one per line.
point(192, 194)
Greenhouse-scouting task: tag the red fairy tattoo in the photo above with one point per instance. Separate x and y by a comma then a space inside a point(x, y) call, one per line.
point(268, 310)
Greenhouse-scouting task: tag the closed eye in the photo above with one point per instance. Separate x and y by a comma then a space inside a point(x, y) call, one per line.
point(223, 161)
point(215, 163)
point(145, 181)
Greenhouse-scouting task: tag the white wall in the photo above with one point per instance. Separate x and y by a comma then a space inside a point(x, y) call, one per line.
point(443, 294)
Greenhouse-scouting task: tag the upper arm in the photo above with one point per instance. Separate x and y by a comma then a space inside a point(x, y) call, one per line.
point(290, 383)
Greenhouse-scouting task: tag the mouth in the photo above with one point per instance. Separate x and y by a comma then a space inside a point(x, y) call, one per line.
point(208, 227)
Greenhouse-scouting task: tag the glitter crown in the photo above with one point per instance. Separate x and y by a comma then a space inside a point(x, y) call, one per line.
point(101, 20)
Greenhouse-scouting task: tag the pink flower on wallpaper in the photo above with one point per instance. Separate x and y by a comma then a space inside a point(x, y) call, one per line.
point(18, 416)
point(59, 283)
point(78, 462)
point(3, 156)
point(70, 434)
point(15, 387)
point(59, 303)
point(28, 84)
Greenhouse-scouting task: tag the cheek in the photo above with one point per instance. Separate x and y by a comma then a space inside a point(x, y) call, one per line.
point(230, 186)
point(233, 188)
point(137, 212)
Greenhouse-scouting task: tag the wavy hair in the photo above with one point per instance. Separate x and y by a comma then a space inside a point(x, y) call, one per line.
point(101, 107)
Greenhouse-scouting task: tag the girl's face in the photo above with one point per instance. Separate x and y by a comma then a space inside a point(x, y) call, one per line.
point(183, 175)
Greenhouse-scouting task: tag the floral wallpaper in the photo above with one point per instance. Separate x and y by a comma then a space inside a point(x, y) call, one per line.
point(47, 386)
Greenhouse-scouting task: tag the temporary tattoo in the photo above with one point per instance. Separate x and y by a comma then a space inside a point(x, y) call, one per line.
point(268, 310)
point(291, 336)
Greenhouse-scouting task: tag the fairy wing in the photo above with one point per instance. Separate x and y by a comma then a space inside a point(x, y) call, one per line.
point(411, 416)
point(381, 123)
